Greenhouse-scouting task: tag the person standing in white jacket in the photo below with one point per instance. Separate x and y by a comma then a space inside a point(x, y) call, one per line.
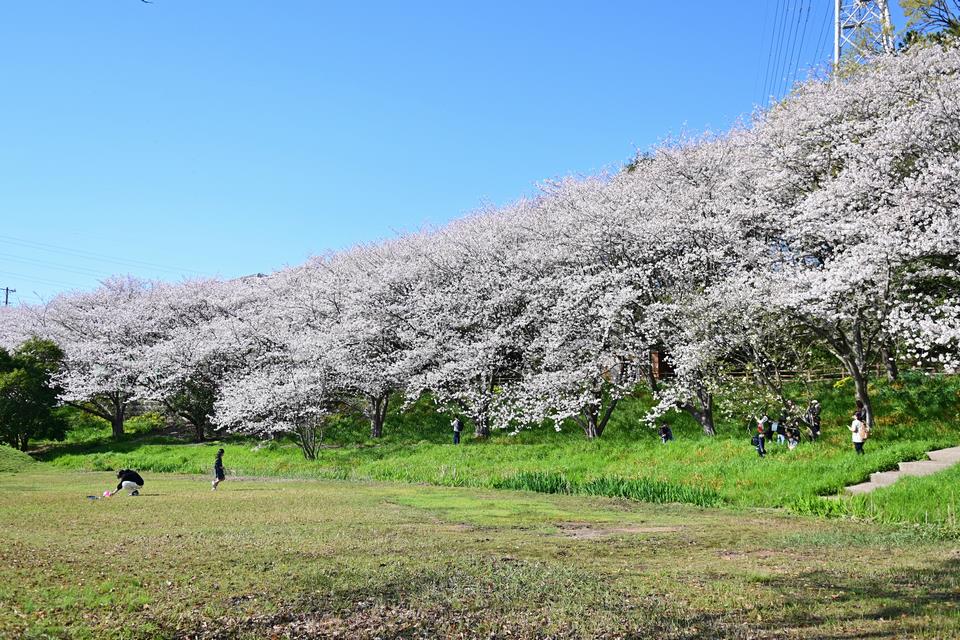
point(858, 431)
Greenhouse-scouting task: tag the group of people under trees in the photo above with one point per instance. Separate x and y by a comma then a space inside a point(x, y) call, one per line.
point(786, 429)
point(790, 430)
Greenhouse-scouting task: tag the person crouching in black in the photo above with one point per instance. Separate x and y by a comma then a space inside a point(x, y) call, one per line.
point(666, 433)
point(130, 481)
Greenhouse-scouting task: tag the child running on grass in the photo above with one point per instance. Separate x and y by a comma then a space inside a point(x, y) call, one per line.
point(218, 473)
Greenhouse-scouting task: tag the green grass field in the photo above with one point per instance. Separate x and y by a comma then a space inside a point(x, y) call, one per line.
point(916, 415)
point(535, 535)
point(272, 558)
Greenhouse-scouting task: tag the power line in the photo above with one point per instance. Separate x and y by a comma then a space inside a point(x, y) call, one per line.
point(763, 37)
point(41, 280)
point(774, 57)
point(83, 271)
point(90, 255)
point(789, 51)
point(823, 30)
point(803, 38)
point(6, 295)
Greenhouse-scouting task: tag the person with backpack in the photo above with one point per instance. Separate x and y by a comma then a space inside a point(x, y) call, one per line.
point(130, 481)
point(457, 425)
point(859, 433)
point(218, 473)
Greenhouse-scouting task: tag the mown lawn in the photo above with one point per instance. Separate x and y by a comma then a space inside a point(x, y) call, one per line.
point(362, 559)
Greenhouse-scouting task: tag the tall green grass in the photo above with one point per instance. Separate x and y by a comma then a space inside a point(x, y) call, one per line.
point(642, 489)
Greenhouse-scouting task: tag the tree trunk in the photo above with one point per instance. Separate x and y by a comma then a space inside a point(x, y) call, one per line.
point(481, 425)
point(593, 419)
point(116, 422)
point(651, 380)
point(378, 413)
point(111, 410)
point(704, 413)
point(888, 354)
point(199, 430)
point(860, 385)
point(309, 437)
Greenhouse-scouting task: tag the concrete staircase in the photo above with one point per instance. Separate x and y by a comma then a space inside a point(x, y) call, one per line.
point(939, 460)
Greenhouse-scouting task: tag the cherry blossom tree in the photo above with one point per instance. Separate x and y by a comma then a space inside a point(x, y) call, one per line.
point(286, 382)
point(103, 336)
point(858, 183)
point(195, 346)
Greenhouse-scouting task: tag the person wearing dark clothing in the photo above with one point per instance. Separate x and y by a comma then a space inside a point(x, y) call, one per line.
point(861, 412)
point(767, 428)
point(813, 419)
point(758, 439)
point(218, 473)
point(130, 481)
point(793, 437)
point(666, 433)
point(457, 428)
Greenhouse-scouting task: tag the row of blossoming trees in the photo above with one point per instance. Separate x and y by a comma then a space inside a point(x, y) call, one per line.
point(830, 225)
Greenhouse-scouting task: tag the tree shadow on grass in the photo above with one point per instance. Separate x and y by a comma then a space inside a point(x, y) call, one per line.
point(902, 602)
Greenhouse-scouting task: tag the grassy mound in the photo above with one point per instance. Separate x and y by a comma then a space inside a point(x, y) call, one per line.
point(12, 460)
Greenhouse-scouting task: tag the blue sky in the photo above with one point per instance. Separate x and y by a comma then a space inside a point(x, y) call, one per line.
point(215, 137)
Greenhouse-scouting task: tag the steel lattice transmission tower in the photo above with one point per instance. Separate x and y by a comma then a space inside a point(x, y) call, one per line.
point(862, 27)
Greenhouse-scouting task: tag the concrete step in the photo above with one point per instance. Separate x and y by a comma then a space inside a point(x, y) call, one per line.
point(923, 467)
point(884, 478)
point(951, 455)
point(863, 487)
point(939, 460)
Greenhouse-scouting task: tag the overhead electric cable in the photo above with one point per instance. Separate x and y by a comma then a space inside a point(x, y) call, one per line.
point(788, 58)
point(757, 87)
point(55, 266)
point(820, 39)
point(773, 55)
point(47, 281)
point(803, 38)
point(90, 255)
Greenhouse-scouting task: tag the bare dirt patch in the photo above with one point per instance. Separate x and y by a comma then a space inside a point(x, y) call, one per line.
point(591, 530)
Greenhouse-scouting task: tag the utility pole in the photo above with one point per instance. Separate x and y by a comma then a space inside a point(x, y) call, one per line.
point(862, 27)
point(6, 295)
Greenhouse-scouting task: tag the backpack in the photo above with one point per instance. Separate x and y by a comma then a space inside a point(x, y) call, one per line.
point(864, 431)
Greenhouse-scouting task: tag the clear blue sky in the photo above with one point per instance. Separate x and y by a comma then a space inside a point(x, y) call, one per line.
point(227, 137)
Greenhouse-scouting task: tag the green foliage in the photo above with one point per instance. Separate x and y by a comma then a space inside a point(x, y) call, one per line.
point(12, 460)
point(83, 426)
point(28, 397)
point(145, 423)
point(931, 20)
